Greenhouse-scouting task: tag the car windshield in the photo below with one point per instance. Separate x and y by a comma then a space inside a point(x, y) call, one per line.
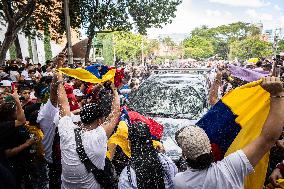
point(174, 96)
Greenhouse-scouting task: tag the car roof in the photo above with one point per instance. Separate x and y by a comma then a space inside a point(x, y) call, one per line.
point(177, 78)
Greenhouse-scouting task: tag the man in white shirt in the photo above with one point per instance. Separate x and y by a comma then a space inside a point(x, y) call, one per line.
point(231, 171)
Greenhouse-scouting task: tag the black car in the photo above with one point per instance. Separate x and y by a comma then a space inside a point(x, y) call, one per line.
point(174, 100)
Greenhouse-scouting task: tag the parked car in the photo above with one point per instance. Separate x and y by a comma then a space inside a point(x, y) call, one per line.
point(174, 100)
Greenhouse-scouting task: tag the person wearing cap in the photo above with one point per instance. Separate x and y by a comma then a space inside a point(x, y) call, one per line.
point(5, 89)
point(203, 173)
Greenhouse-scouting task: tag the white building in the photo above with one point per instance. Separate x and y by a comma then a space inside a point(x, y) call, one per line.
point(37, 47)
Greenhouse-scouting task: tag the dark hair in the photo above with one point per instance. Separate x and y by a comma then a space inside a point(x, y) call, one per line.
point(93, 111)
point(40, 90)
point(14, 68)
point(201, 162)
point(259, 64)
point(32, 117)
point(144, 158)
point(24, 86)
point(31, 71)
point(7, 109)
point(46, 79)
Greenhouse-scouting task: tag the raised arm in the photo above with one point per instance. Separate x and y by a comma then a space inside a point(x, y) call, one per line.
point(213, 93)
point(54, 84)
point(64, 108)
point(21, 119)
point(113, 117)
point(14, 151)
point(273, 125)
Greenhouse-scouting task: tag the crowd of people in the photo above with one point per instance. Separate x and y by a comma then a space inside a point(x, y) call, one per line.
point(54, 133)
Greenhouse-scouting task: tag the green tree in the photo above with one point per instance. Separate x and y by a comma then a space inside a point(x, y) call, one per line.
point(198, 48)
point(27, 16)
point(108, 47)
point(47, 45)
point(12, 51)
point(251, 47)
point(128, 46)
point(168, 42)
point(151, 46)
point(222, 36)
point(281, 46)
point(124, 15)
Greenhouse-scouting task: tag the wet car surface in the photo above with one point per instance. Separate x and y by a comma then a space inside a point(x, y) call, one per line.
point(174, 100)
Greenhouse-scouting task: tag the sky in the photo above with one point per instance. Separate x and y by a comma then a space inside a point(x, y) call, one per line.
point(194, 13)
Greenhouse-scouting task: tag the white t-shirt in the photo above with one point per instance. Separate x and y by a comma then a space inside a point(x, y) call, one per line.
point(14, 75)
point(74, 174)
point(228, 173)
point(45, 118)
point(47, 74)
point(168, 166)
point(25, 74)
point(48, 119)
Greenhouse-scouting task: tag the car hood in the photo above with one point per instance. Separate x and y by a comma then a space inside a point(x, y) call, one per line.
point(171, 126)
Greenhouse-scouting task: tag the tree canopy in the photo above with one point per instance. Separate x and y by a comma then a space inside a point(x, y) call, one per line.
point(281, 46)
point(198, 48)
point(250, 48)
point(220, 38)
point(123, 15)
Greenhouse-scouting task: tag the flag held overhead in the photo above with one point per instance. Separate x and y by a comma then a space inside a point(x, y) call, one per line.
point(236, 120)
point(96, 73)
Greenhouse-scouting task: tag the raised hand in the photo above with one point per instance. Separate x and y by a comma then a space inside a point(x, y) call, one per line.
point(60, 61)
point(273, 85)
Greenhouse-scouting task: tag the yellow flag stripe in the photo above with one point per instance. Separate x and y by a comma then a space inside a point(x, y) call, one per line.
point(87, 76)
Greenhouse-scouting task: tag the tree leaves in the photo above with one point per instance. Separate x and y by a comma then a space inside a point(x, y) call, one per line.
point(251, 47)
point(219, 38)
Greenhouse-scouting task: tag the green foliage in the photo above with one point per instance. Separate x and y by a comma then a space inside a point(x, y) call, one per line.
point(12, 51)
point(198, 48)
point(122, 15)
point(168, 42)
point(162, 59)
point(220, 37)
point(47, 45)
point(107, 41)
point(250, 48)
point(281, 46)
point(128, 46)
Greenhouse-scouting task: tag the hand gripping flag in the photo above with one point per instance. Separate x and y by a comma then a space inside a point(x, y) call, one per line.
point(120, 136)
point(236, 120)
point(95, 73)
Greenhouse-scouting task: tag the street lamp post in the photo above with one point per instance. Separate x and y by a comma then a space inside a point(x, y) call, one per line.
point(68, 32)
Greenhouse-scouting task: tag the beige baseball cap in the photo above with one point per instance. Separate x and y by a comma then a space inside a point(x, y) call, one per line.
point(193, 141)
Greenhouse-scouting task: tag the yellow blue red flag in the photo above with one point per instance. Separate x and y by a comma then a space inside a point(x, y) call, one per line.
point(120, 136)
point(236, 120)
point(96, 73)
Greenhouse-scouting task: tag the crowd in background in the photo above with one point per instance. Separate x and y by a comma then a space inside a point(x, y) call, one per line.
point(40, 109)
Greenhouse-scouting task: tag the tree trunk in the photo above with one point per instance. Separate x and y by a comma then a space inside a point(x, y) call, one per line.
point(89, 46)
point(18, 48)
point(10, 37)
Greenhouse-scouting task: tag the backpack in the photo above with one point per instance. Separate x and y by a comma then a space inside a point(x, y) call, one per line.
point(104, 177)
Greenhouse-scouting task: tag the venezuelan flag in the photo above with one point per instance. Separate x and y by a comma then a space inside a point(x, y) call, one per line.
point(95, 73)
point(120, 136)
point(235, 121)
